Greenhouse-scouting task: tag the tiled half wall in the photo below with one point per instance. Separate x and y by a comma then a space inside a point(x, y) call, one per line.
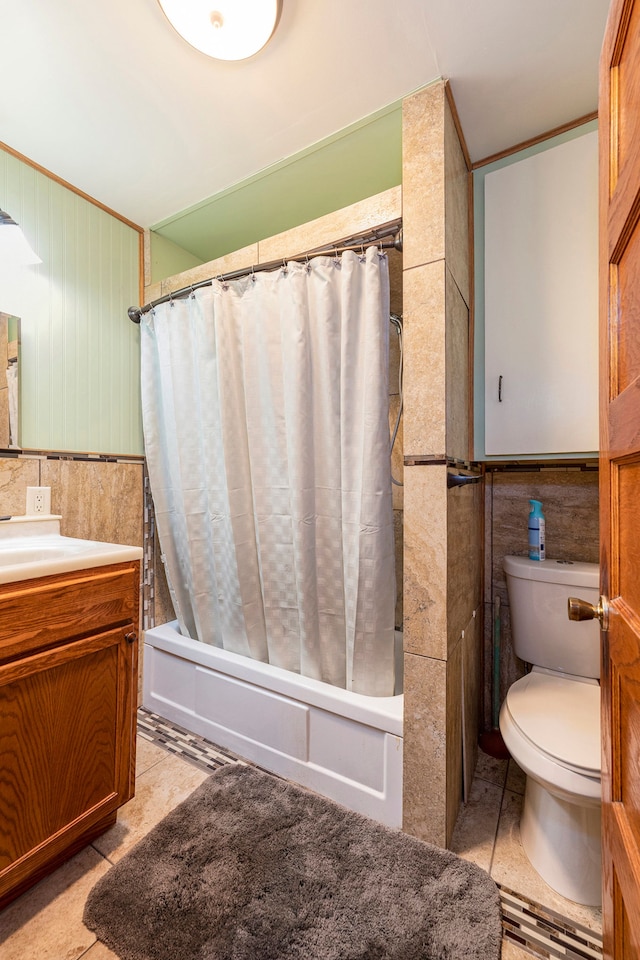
point(99, 498)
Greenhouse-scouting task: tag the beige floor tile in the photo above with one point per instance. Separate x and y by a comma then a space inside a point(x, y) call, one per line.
point(161, 788)
point(516, 778)
point(475, 830)
point(512, 869)
point(99, 952)
point(491, 769)
point(46, 922)
point(147, 755)
point(511, 951)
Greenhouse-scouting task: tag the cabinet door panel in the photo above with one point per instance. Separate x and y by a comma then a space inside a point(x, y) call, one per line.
point(541, 302)
point(66, 745)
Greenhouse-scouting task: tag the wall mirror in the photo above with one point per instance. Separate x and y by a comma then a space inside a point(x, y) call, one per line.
point(9, 381)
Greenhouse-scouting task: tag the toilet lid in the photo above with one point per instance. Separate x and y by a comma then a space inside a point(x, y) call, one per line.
point(561, 717)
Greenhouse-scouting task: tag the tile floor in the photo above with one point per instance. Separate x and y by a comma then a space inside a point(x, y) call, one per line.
point(46, 922)
point(487, 833)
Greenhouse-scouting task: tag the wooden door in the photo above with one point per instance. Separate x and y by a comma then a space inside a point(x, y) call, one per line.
point(619, 127)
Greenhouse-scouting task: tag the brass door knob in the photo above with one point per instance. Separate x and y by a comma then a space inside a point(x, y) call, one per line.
point(583, 610)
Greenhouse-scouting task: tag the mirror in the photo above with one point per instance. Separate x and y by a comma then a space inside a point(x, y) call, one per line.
point(9, 381)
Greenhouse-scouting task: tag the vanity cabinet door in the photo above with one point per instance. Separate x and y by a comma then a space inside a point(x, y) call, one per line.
point(67, 754)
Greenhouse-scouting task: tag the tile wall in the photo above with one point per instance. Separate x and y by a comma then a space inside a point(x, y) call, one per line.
point(397, 461)
point(99, 498)
point(442, 527)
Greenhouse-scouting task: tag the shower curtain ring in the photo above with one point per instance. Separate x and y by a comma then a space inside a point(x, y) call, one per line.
point(192, 293)
point(363, 255)
point(285, 267)
point(253, 274)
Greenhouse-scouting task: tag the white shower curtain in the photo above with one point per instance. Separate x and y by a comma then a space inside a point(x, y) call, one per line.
point(265, 412)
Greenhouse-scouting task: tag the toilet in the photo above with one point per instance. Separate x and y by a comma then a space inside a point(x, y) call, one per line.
point(550, 722)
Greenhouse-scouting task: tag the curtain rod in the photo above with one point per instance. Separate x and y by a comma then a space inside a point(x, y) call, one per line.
point(388, 238)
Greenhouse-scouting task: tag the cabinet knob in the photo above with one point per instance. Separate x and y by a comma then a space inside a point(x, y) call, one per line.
point(131, 637)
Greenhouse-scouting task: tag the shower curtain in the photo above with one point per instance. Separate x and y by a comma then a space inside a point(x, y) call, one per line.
point(265, 415)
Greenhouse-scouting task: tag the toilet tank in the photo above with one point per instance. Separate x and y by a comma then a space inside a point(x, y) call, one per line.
point(542, 632)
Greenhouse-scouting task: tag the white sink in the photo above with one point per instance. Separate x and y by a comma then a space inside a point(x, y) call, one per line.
point(34, 547)
point(12, 552)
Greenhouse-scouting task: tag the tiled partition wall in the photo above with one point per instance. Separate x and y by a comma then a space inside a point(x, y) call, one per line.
point(442, 527)
point(569, 495)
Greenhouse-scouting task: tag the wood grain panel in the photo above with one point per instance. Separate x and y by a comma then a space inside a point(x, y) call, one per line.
point(37, 614)
point(628, 292)
point(624, 421)
point(67, 741)
point(619, 129)
point(37, 735)
point(68, 672)
point(628, 524)
point(628, 90)
point(622, 935)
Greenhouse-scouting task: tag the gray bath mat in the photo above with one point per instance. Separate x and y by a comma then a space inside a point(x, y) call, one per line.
point(250, 867)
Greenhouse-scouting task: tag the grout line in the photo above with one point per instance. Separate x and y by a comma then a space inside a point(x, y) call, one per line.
point(86, 952)
point(495, 834)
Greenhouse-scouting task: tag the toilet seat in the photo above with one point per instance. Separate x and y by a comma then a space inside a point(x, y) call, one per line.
point(548, 763)
point(560, 717)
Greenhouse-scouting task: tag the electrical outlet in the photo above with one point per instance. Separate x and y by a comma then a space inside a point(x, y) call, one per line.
point(38, 500)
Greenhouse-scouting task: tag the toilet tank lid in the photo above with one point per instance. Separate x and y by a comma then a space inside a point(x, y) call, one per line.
point(573, 573)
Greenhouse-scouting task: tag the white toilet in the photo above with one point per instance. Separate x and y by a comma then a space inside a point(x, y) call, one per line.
point(550, 722)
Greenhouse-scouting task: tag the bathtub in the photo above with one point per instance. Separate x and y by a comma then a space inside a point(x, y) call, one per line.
point(343, 745)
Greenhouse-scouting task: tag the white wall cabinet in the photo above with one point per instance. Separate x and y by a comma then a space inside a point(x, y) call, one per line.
point(541, 302)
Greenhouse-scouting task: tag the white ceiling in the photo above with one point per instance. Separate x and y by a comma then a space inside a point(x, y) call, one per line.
point(108, 97)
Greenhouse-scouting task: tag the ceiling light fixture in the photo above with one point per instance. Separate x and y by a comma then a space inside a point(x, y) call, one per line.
point(14, 246)
point(224, 29)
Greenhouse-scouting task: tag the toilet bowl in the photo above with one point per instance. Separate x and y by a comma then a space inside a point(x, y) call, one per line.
point(550, 723)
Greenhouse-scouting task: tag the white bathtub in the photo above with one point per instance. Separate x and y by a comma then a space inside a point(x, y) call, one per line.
point(343, 745)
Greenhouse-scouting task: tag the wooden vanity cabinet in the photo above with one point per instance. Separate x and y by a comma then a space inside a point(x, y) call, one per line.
point(68, 699)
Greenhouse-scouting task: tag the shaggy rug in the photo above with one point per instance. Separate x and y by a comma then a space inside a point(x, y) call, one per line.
point(251, 867)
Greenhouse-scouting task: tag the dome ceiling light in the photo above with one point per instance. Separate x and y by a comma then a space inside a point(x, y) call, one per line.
point(224, 29)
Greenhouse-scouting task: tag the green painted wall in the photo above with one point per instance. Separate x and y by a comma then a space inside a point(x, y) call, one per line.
point(80, 353)
point(167, 258)
point(358, 162)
